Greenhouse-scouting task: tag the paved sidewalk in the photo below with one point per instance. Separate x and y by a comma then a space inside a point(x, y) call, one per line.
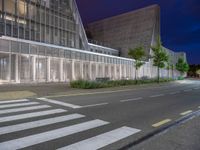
point(185, 136)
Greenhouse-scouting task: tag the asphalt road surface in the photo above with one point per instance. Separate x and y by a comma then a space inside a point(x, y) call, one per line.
point(107, 120)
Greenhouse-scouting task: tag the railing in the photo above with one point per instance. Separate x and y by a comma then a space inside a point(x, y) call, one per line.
point(100, 43)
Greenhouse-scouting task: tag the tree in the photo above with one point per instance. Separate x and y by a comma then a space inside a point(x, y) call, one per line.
point(182, 66)
point(198, 72)
point(160, 57)
point(168, 68)
point(172, 67)
point(138, 54)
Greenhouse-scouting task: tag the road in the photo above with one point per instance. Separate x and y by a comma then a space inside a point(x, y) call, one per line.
point(105, 120)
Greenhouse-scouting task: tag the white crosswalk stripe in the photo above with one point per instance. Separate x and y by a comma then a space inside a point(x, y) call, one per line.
point(31, 115)
point(39, 123)
point(102, 140)
point(14, 101)
point(18, 104)
point(60, 103)
point(92, 143)
point(5, 111)
point(50, 135)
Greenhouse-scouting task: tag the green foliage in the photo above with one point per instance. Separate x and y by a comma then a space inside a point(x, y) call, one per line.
point(198, 72)
point(82, 84)
point(193, 71)
point(138, 54)
point(160, 57)
point(180, 78)
point(182, 66)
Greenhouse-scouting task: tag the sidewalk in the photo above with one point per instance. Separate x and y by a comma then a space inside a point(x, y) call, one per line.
point(51, 89)
point(183, 137)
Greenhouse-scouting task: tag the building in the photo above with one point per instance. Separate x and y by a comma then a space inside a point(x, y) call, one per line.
point(45, 41)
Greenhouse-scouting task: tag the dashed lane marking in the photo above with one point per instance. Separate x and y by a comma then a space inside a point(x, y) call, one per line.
point(133, 99)
point(159, 95)
point(94, 105)
point(186, 112)
point(173, 93)
point(188, 90)
point(161, 123)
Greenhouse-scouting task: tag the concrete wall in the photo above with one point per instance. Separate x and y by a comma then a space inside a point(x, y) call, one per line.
point(129, 30)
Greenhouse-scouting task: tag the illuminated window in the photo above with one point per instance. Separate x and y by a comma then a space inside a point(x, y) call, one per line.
point(21, 8)
point(0, 5)
point(10, 6)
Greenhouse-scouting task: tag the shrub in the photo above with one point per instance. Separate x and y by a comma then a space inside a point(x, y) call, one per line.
point(82, 84)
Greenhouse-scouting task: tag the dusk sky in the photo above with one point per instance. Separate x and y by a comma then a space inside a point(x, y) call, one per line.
point(180, 20)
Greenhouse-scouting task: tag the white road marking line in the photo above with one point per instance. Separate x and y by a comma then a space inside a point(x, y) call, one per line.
point(173, 93)
point(133, 99)
point(14, 101)
point(102, 140)
point(18, 104)
point(188, 90)
point(31, 115)
point(60, 103)
point(50, 135)
point(93, 105)
point(39, 123)
point(197, 88)
point(5, 111)
point(159, 95)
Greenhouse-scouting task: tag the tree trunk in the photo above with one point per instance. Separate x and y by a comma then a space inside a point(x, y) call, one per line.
point(135, 75)
point(172, 73)
point(168, 73)
point(158, 75)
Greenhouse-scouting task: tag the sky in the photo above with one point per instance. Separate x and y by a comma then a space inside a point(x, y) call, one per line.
point(180, 20)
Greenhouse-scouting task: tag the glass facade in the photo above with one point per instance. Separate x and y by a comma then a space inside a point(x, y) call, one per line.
point(47, 21)
point(44, 41)
point(26, 61)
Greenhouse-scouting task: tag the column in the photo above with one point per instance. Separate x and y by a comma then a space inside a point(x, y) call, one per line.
point(82, 69)
point(125, 71)
point(61, 69)
point(97, 70)
point(73, 72)
point(9, 68)
point(109, 70)
point(120, 71)
point(34, 67)
point(48, 69)
point(17, 69)
point(90, 71)
point(115, 72)
point(103, 70)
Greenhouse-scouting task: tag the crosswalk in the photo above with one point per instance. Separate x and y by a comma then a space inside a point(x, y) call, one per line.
point(22, 117)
